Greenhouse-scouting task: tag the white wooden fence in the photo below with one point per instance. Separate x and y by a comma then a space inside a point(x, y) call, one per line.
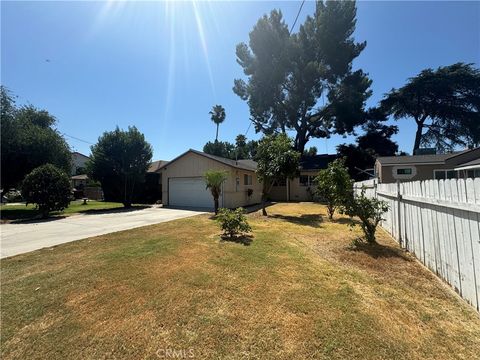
point(439, 222)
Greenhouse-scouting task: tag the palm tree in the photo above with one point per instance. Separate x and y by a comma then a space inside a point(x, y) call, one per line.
point(214, 180)
point(217, 116)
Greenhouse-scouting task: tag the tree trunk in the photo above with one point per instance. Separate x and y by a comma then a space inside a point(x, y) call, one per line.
point(264, 211)
point(418, 136)
point(216, 136)
point(215, 200)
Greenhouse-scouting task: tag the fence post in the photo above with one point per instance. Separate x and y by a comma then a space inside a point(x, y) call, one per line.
point(399, 199)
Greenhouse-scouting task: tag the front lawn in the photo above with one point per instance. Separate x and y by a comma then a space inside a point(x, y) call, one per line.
point(22, 212)
point(297, 291)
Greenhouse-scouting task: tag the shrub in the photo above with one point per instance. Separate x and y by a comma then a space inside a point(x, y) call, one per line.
point(333, 185)
point(368, 210)
point(233, 222)
point(214, 180)
point(48, 188)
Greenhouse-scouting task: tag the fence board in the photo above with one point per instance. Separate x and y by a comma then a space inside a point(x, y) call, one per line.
point(439, 222)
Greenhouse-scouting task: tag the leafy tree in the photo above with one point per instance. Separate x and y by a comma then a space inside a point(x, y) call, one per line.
point(311, 151)
point(376, 141)
point(233, 222)
point(119, 161)
point(29, 139)
point(334, 185)
point(48, 188)
point(218, 117)
point(370, 212)
point(214, 180)
point(444, 104)
point(240, 150)
point(276, 161)
point(220, 148)
point(303, 82)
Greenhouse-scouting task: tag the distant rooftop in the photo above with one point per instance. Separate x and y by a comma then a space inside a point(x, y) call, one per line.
point(316, 162)
point(417, 159)
point(156, 165)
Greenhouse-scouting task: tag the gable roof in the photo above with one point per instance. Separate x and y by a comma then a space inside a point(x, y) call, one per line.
point(474, 164)
point(316, 162)
point(418, 159)
point(76, 153)
point(249, 165)
point(156, 165)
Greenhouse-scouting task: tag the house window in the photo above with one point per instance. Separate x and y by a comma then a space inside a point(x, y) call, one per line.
point(404, 171)
point(307, 180)
point(444, 174)
point(247, 179)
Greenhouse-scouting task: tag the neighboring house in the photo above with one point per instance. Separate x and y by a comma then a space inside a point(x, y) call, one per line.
point(78, 162)
point(183, 183)
point(425, 167)
point(79, 181)
point(301, 188)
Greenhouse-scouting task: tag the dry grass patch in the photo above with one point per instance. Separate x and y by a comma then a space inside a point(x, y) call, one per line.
point(297, 291)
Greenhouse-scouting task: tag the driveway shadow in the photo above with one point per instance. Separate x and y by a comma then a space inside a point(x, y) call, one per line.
point(113, 211)
point(313, 220)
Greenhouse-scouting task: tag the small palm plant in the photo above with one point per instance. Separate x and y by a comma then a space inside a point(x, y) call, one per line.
point(214, 180)
point(218, 116)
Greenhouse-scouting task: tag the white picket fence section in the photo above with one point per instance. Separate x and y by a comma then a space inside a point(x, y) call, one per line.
point(439, 222)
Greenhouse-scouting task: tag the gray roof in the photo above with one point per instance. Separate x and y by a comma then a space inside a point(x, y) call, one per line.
point(156, 165)
point(79, 177)
point(415, 159)
point(469, 165)
point(249, 165)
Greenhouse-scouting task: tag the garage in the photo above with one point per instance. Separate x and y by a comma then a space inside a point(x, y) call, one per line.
point(190, 192)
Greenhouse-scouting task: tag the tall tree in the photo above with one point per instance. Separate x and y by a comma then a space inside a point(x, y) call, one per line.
point(375, 141)
point(444, 104)
point(304, 81)
point(277, 160)
point(119, 161)
point(218, 116)
point(29, 139)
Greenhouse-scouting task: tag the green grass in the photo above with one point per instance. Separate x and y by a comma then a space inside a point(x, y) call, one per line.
point(297, 291)
point(22, 212)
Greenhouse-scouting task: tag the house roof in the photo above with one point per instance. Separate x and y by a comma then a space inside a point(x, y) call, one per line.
point(79, 177)
point(156, 165)
point(474, 164)
point(249, 165)
point(316, 162)
point(80, 154)
point(416, 159)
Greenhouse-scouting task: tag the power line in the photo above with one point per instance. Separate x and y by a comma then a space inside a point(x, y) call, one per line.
point(78, 139)
point(298, 14)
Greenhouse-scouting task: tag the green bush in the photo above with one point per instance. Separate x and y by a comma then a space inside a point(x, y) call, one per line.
point(368, 210)
point(233, 222)
point(333, 185)
point(48, 188)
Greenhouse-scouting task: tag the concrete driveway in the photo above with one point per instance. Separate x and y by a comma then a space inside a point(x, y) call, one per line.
point(24, 237)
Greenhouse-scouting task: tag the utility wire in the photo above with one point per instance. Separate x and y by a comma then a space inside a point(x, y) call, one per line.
point(78, 139)
point(296, 18)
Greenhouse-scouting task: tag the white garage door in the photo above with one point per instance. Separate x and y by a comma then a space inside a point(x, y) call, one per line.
point(189, 192)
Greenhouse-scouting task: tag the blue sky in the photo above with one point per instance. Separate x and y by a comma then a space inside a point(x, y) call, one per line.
point(162, 65)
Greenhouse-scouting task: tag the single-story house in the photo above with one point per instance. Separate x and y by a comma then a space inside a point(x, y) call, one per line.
point(79, 181)
point(183, 183)
point(389, 169)
point(78, 163)
point(301, 187)
point(153, 181)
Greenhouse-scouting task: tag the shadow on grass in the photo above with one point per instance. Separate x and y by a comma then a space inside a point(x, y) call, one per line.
point(346, 221)
point(113, 210)
point(245, 240)
point(377, 251)
point(313, 220)
point(19, 214)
